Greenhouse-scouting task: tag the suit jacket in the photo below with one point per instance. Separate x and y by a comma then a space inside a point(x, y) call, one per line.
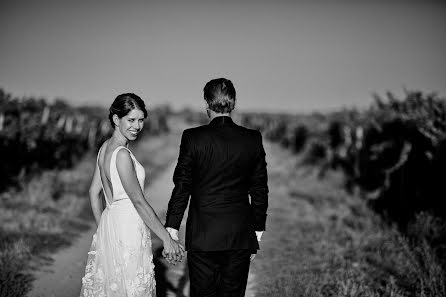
point(222, 167)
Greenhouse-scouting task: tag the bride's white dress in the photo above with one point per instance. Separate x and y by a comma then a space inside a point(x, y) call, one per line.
point(120, 261)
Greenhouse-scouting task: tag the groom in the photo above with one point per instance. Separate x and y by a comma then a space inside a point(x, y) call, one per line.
point(221, 167)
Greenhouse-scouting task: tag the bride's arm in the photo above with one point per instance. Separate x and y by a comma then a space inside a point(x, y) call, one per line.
point(129, 180)
point(95, 198)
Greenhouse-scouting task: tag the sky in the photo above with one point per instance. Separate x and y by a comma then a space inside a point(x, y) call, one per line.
point(294, 56)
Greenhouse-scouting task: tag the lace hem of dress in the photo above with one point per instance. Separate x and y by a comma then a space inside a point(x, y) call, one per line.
point(130, 277)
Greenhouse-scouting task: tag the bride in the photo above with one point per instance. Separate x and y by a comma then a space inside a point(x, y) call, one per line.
point(120, 261)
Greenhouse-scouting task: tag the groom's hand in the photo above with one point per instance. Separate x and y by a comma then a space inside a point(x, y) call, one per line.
point(173, 251)
point(259, 237)
point(174, 258)
point(171, 259)
point(178, 255)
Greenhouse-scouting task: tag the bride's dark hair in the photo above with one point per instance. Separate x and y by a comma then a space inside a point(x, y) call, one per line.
point(125, 103)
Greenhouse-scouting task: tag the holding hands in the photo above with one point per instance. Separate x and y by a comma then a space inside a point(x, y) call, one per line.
point(173, 250)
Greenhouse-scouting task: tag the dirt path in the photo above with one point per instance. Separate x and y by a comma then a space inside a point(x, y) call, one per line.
point(63, 277)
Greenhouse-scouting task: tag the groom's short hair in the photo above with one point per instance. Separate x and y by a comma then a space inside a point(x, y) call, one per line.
point(220, 95)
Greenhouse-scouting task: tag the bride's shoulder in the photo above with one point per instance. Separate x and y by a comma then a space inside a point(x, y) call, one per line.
point(123, 150)
point(123, 154)
point(124, 159)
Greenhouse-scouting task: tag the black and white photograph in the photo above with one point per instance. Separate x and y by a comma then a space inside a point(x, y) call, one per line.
point(205, 148)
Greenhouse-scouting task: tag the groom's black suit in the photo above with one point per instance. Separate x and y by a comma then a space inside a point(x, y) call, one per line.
point(220, 166)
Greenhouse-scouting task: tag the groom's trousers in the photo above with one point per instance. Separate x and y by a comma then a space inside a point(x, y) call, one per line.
point(218, 273)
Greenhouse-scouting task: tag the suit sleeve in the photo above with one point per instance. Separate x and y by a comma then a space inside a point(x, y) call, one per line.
point(258, 189)
point(182, 179)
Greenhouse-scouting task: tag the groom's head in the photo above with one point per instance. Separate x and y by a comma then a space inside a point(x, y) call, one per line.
point(220, 95)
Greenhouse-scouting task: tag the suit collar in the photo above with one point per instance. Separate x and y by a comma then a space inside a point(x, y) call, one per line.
point(221, 121)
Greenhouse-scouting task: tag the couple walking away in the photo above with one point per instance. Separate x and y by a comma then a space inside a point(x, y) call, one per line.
point(221, 168)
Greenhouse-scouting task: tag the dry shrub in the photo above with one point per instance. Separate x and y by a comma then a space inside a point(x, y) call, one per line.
point(14, 257)
point(412, 266)
point(428, 227)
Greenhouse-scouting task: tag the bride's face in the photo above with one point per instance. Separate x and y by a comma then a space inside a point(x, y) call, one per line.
point(131, 124)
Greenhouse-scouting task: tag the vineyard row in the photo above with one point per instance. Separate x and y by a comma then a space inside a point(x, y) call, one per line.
point(36, 135)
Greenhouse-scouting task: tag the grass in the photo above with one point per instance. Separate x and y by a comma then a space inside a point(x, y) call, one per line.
point(320, 241)
point(52, 209)
point(45, 214)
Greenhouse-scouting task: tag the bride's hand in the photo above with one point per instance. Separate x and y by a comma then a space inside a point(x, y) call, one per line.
point(173, 258)
point(173, 251)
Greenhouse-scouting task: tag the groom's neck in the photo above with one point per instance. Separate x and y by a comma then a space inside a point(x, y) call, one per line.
point(214, 115)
